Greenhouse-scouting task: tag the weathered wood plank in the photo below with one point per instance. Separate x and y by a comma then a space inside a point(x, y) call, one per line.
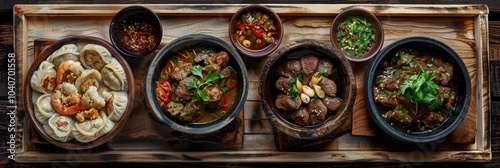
point(228, 9)
point(41, 22)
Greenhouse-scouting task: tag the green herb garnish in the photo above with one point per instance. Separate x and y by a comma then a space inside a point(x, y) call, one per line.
point(210, 79)
point(421, 88)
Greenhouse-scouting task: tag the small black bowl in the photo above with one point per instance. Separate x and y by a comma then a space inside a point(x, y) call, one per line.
point(135, 31)
point(461, 77)
point(157, 64)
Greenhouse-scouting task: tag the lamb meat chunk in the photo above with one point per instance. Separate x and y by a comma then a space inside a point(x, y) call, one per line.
point(391, 84)
point(301, 117)
point(330, 87)
point(214, 96)
point(290, 68)
point(309, 64)
point(181, 91)
point(200, 57)
point(444, 74)
point(399, 114)
point(405, 59)
point(306, 78)
point(433, 120)
point(283, 84)
point(220, 58)
point(181, 71)
point(211, 67)
point(386, 98)
point(286, 102)
point(217, 61)
point(174, 108)
point(192, 111)
point(437, 61)
point(325, 64)
point(228, 71)
point(332, 103)
point(317, 111)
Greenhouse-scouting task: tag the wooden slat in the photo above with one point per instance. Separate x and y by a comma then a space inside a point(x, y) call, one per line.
point(453, 24)
point(228, 9)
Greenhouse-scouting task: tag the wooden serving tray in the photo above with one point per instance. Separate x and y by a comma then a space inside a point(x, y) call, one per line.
point(463, 27)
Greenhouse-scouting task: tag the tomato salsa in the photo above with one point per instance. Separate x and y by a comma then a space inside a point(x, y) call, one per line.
point(255, 30)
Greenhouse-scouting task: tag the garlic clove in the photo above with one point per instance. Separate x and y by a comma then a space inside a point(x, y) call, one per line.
point(316, 78)
point(305, 99)
point(308, 90)
point(319, 91)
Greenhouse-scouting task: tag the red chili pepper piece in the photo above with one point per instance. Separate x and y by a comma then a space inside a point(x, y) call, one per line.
point(258, 34)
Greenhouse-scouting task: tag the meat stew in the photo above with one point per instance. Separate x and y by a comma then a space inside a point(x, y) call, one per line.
point(306, 89)
point(416, 90)
point(197, 85)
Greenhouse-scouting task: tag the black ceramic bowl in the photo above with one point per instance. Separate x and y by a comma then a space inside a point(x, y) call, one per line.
point(135, 31)
point(460, 77)
point(194, 41)
point(342, 75)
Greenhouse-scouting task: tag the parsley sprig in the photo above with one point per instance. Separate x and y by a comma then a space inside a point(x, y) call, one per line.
point(209, 79)
point(421, 88)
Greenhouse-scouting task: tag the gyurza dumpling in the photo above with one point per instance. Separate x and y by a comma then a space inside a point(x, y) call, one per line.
point(116, 105)
point(113, 76)
point(94, 56)
point(60, 127)
point(89, 77)
point(43, 108)
point(92, 129)
point(43, 80)
point(66, 52)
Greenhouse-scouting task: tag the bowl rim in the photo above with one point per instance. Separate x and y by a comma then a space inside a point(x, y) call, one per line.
point(155, 20)
point(371, 18)
point(29, 105)
point(204, 128)
point(264, 51)
point(424, 137)
point(304, 132)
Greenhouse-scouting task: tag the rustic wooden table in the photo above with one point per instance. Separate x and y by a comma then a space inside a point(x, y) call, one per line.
point(6, 46)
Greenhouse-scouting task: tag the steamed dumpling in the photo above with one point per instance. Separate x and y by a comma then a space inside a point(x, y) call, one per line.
point(43, 109)
point(113, 76)
point(66, 52)
point(89, 77)
point(44, 79)
point(94, 56)
point(60, 128)
point(92, 129)
point(116, 105)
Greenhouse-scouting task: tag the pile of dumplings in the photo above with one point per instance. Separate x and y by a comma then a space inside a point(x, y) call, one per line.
point(83, 92)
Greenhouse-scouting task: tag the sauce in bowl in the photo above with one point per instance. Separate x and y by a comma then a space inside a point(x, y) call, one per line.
point(255, 30)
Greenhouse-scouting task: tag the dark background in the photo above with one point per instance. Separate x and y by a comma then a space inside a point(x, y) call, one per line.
point(6, 46)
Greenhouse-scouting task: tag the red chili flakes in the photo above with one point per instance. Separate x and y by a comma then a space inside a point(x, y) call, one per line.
point(137, 37)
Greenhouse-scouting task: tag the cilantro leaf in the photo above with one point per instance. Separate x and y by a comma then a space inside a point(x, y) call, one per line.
point(203, 94)
point(192, 85)
point(212, 77)
point(196, 70)
point(223, 87)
